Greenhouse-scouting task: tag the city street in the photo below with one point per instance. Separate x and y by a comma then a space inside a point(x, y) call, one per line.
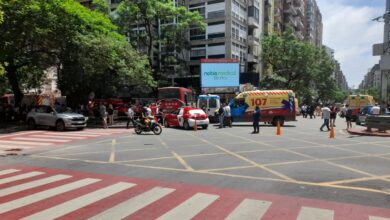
point(206, 174)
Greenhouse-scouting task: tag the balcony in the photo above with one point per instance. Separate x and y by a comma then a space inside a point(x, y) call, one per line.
point(299, 35)
point(300, 24)
point(252, 58)
point(301, 11)
point(253, 41)
point(253, 23)
point(292, 21)
point(291, 11)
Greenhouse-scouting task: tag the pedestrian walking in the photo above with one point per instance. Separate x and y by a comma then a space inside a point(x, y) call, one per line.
point(256, 119)
point(221, 115)
point(326, 116)
point(130, 116)
point(304, 110)
point(110, 112)
point(311, 110)
point(103, 115)
point(348, 116)
point(333, 115)
point(228, 115)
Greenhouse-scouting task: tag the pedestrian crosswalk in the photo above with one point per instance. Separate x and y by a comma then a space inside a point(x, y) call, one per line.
point(35, 139)
point(39, 193)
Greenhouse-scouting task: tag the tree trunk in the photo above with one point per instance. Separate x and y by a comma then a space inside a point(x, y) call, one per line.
point(14, 81)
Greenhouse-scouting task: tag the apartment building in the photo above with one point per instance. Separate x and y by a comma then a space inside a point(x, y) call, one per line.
point(314, 26)
point(337, 74)
point(372, 79)
point(290, 14)
point(233, 30)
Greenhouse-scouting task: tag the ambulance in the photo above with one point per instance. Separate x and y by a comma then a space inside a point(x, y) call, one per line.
point(358, 102)
point(275, 105)
point(210, 104)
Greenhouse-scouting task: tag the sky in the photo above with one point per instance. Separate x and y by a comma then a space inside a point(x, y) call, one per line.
point(350, 31)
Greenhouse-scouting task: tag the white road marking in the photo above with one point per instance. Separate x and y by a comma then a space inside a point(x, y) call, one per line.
point(19, 134)
point(249, 209)
point(71, 134)
point(308, 213)
point(32, 184)
point(80, 202)
point(4, 172)
point(134, 204)
point(191, 207)
point(40, 139)
point(18, 203)
point(53, 136)
point(20, 177)
point(96, 133)
point(378, 218)
point(25, 142)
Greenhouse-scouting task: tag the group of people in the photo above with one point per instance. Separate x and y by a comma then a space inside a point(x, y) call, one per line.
point(309, 110)
point(225, 116)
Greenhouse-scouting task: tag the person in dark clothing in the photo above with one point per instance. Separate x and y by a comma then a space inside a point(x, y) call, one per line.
point(311, 110)
point(256, 119)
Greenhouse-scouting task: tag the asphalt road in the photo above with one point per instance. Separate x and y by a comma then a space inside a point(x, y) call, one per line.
point(303, 162)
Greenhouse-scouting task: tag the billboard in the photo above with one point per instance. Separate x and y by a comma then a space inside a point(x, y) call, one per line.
point(220, 73)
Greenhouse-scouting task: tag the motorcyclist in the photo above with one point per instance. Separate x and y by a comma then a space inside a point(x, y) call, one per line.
point(145, 116)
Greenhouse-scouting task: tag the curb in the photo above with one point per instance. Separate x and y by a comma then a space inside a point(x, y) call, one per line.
point(366, 133)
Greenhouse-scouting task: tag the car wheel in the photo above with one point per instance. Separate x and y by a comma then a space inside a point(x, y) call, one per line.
point(60, 126)
point(204, 126)
point(166, 124)
point(31, 124)
point(186, 125)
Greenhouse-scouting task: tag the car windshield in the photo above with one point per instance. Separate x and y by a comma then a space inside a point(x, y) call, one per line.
point(66, 110)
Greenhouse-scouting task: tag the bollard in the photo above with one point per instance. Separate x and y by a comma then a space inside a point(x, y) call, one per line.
point(278, 130)
point(331, 134)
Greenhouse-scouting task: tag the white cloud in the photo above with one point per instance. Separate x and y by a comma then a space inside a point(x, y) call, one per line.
point(350, 31)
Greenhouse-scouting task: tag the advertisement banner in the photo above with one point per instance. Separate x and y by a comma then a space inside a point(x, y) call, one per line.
point(220, 75)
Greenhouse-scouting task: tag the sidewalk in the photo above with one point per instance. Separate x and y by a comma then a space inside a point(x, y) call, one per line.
point(363, 131)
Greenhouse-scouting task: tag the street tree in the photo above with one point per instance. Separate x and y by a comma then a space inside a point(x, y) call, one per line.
point(39, 34)
point(297, 65)
point(149, 23)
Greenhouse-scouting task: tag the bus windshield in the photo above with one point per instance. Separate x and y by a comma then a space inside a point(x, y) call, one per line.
point(169, 94)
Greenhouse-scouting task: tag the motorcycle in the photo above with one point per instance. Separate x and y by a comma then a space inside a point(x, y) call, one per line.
point(150, 125)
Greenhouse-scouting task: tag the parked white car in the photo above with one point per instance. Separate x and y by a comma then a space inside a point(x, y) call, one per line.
point(47, 116)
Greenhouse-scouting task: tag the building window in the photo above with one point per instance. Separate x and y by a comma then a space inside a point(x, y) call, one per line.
point(216, 35)
point(217, 56)
point(216, 14)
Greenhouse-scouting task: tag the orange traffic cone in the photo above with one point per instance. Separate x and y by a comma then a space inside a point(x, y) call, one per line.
point(278, 130)
point(331, 134)
point(195, 126)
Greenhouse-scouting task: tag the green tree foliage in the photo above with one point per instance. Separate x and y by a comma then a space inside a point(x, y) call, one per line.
point(138, 20)
point(39, 34)
point(299, 66)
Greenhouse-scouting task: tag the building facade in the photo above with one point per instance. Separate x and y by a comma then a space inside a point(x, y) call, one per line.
point(372, 79)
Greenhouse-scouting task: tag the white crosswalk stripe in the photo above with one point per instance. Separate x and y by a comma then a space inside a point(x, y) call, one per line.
point(27, 200)
point(25, 142)
point(96, 133)
point(134, 204)
point(378, 218)
point(80, 202)
point(190, 207)
point(308, 213)
point(30, 185)
point(40, 139)
point(71, 134)
point(8, 171)
point(249, 209)
point(54, 136)
point(20, 177)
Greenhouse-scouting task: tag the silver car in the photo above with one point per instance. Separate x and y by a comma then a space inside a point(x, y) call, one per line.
point(47, 116)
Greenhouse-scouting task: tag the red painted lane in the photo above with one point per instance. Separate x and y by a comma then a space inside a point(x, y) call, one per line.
point(283, 207)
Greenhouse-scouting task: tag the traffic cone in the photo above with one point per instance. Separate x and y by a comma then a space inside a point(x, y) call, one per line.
point(331, 134)
point(195, 126)
point(278, 130)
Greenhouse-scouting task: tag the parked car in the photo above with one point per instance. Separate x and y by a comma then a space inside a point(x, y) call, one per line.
point(186, 117)
point(361, 120)
point(47, 116)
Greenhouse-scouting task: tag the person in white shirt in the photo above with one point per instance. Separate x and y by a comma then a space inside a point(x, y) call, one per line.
point(326, 116)
point(376, 110)
point(130, 116)
point(228, 115)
